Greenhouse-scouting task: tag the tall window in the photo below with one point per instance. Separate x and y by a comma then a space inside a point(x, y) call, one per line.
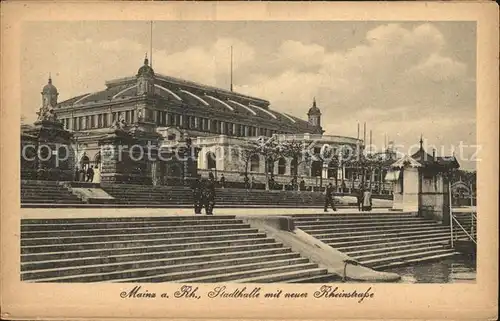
point(255, 163)
point(316, 167)
point(293, 167)
point(281, 166)
point(211, 163)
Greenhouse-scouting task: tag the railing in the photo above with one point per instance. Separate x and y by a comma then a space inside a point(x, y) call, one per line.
point(454, 219)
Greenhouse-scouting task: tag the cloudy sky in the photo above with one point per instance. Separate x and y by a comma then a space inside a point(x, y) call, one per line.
point(402, 79)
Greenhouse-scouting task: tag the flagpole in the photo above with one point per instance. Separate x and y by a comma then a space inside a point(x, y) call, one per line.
point(151, 45)
point(231, 87)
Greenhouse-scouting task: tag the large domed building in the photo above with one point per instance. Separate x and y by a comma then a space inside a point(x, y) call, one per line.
point(212, 118)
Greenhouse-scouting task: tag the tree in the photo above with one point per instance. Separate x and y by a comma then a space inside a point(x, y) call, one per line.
point(245, 153)
point(297, 152)
point(271, 150)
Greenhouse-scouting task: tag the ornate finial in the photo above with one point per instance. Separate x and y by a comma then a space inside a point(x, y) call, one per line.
point(50, 78)
point(146, 62)
point(421, 141)
point(314, 101)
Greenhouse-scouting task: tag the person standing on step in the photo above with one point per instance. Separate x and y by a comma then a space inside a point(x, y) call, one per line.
point(97, 175)
point(77, 174)
point(222, 181)
point(329, 198)
point(252, 182)
point(367, 200)
point(82, 175)
point(246, 182)
point(197, 188)
point(302, 185)
point(209, 197)
point(211, 176)
point(90, 174)
point(359, 196)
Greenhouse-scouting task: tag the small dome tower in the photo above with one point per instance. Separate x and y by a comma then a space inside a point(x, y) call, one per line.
point(49, 95)
point(314, 115)
point(145, 79)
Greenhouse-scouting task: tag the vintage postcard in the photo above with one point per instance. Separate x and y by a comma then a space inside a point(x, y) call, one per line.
point(249, 160)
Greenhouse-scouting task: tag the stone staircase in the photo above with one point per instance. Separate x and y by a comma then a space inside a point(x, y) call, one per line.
point(158, 249)
point(178, 196)
point(382, 240)
point(46, 192)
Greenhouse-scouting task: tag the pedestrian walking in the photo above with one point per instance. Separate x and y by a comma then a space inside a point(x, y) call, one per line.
point(197, 187)
point(209, 197)
point(367, 200)
point(359, 196)
point(329, 198)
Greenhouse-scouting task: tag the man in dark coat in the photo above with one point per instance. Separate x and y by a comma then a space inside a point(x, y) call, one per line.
point(359, 196)
point(197, 188)
point(90, 174)
point(329, 198)
point(209, 197)
point(222, 181)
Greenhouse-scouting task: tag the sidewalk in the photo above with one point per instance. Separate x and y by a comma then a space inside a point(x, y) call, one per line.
point(38, 213)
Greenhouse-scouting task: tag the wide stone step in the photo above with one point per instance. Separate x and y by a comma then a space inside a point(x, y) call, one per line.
point(98, 229)
point(140, 219)
point(95, 226)
point(399, 230)
point(351, 227)
point(389, 249)
point(158, 233)
point(230, 235)
point(321, 278)
point(237, 272)
point(127, 255)
point(51, 201)
point(101, 252)
point(370, 258)
point(359, 222)
point(388, 241)
point(180, 261)
point(432, 256)
point(408, 258)
point(137, 237)
point(284, 276)
point(145, 268)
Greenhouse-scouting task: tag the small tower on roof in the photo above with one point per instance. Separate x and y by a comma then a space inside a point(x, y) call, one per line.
point(145, 78)
point(314, 115)
point(49, 95)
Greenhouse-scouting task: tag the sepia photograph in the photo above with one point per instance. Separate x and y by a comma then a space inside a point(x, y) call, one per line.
point(298, 124)
point(234, 152)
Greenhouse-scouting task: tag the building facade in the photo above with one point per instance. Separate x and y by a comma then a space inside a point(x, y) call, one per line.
point(213, 119)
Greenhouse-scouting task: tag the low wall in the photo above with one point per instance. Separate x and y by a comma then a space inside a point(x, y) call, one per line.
point(282, 229)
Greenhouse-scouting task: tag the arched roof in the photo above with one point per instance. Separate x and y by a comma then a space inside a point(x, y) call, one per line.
point(195, 95)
